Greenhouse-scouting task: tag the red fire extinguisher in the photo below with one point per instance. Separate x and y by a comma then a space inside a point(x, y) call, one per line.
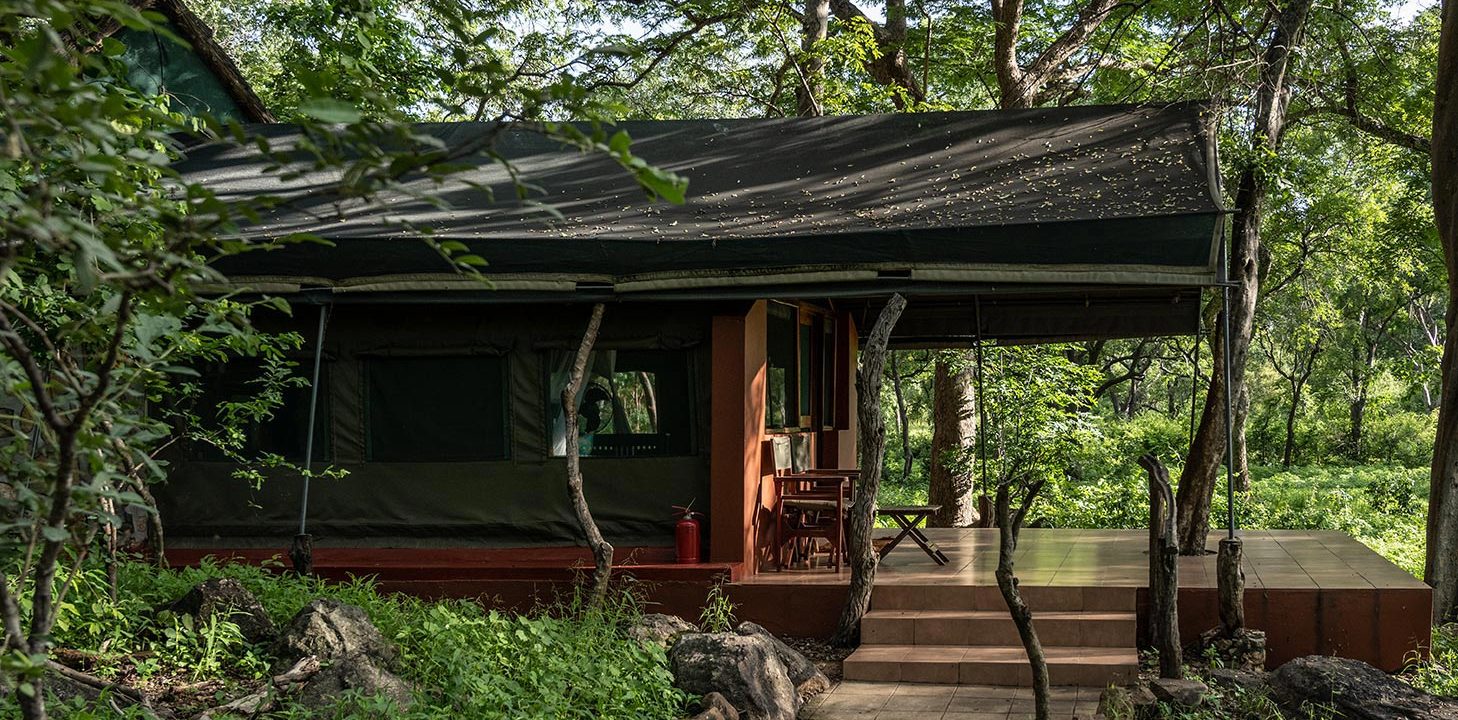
point(686, 535)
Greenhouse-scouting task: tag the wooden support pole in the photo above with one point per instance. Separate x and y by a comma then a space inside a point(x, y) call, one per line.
point(862, 554)
point(1009, 526)
point(602, 551)
point(1230, 579)
point(1164, 583)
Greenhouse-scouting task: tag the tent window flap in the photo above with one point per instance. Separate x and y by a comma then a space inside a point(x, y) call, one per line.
point(436, 409)
point(284, 431)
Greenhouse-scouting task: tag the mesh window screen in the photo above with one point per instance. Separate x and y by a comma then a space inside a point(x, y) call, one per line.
point(826, 350)
point(436, 409)
point(635, 403)
point(782, 406)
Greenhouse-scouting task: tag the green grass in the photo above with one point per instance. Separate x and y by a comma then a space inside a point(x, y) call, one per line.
point(1439, 674)
point(564, 661)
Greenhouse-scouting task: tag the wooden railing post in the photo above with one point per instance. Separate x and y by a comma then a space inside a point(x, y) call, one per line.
point(1164, 584)
point(1230, 579)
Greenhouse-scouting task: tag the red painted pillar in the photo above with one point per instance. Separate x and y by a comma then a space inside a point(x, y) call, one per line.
point(736, 437)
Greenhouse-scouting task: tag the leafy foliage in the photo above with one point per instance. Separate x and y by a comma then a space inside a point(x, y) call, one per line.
point(104, 248)
point(1034, 399)
point(718, 613)
point(564, 661)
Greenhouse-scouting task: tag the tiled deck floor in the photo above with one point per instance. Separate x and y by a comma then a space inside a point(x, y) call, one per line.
point(1284, 559)
point(908, 701)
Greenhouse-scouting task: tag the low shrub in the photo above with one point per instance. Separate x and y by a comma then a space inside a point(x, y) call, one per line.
point(562, 661)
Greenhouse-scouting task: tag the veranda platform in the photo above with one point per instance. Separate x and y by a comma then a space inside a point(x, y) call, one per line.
point(1312, 591)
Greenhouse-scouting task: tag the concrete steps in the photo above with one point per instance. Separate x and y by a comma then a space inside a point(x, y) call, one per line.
point(995, 627)
point(952, 634)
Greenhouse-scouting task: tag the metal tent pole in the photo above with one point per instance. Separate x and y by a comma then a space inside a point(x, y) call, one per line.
point(981, 407)
point(1229, 414)
point(303, 549)
point(1194, 385)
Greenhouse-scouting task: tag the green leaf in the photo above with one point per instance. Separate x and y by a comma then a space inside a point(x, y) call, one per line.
point(330, 110)
point(619, 142)
point(662, 184)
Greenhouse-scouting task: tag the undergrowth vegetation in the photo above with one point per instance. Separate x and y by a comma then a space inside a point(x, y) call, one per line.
point(567, 661)
point(1439, 673)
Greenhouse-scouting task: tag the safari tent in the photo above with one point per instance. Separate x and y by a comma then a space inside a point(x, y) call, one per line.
point(733, 322)
point(731, 318)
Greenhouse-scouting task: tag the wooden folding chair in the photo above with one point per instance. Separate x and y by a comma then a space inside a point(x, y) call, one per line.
point(808, 506)
point(800, 464)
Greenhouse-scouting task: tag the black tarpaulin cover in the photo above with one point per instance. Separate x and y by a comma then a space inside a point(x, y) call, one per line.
point(1122, 195)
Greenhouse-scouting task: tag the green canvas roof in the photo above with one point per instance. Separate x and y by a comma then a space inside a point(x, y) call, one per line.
point(1117, 202)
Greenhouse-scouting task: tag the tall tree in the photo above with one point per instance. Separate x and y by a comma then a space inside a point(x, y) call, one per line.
point(889, 65)
point(1442, 560)
point(954, 428)
point(815, 25)
point(1021, 85)
point(602, 550)
point(1273, 93)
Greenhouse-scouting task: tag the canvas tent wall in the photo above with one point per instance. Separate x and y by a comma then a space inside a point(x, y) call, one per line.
point(440, 416)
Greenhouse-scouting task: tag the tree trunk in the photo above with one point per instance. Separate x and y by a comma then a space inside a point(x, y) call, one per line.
point(33, 706)
point(1230, 582)
point(861, 555)
point(1131, 398)
point(888, 66)
point(815, 25)
point(1358, 417)
point(602, 552)
point(1442, 558)
point(1202, 468)
point(1289, 448)
point(1020, 85)
point(1164, 571)
point(1198, 478)
point(1009, 527)
point(903, 425)
point(954, 424)
point(1242, 456)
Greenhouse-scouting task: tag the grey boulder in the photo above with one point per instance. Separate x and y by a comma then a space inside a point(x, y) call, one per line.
point(1354, 690)
point(1181, 693)
point(354, 655)
point(807, 678)
point(743, 668)
point(226, 599)
point(658, 629)
point(714, 706)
